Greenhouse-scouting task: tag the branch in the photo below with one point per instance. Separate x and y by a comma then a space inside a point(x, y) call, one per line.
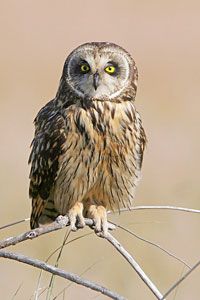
point(43, 230)
point(65, 222)
point(61, 273)
point(134, 264)
point(62, 222)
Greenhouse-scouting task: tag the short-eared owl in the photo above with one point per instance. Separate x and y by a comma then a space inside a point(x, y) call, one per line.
point(88, 147)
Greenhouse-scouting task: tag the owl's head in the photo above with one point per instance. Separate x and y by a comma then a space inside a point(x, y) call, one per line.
point(101, 71)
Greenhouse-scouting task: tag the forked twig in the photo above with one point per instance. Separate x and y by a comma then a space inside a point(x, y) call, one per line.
point(65, 221)
point(75, 278)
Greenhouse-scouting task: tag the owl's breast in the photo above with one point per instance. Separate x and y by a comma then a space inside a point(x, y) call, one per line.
point(108, 124)
point(107, 132)
point(106, 129)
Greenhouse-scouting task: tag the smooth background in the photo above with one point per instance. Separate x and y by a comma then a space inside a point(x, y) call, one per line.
point(164, 39)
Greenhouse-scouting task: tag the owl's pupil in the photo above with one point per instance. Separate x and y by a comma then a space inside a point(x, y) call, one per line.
point(84, 68)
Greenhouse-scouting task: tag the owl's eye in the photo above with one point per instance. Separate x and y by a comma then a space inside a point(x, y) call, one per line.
point(110, 69)
point(85, 68)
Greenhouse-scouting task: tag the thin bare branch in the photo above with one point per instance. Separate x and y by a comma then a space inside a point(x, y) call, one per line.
point(134, 264)
point(14, 223)
point(167, 207)
point(61, 273)
point(141, 207)
point(180, 280)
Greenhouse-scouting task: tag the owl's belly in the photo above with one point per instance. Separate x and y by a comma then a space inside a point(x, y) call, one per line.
point(101, 171)
point(116, 179)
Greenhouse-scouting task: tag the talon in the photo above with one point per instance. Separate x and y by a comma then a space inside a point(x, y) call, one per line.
point(76, 218)
point(81, 221)
point(73, 226)
point(97, 224)
point(99, 216)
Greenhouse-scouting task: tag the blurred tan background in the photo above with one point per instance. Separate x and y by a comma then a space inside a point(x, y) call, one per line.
point(164, 39)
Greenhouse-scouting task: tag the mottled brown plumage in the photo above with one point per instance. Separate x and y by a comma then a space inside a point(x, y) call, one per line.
point(88, 146)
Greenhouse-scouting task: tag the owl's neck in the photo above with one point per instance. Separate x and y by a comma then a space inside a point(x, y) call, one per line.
point(66, 96)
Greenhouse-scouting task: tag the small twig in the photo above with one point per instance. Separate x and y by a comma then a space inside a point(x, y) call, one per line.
point(69, 242)
point(134, 264)
point(153, 244)
point(180, 280)
point(51, 283)
point(56, 271)
point(177, 288)
point(48, 258)
point(16, 292)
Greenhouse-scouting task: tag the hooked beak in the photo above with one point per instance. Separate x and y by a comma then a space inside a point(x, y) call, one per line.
point(96, 80)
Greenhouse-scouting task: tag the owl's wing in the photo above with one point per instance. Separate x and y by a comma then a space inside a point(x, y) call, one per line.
point(47, 147)
point(143, 142)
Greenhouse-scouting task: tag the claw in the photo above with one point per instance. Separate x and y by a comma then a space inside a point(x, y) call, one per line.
point(76, 214)
point(99, 215)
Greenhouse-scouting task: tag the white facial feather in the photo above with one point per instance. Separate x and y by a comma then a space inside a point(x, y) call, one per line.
point(98, 58)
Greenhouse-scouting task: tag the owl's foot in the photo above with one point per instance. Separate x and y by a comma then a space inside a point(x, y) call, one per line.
point(75, 215)
point(99, 216)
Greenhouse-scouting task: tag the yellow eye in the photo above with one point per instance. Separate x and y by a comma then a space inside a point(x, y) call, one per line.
point(85, 68)
point(110, 69)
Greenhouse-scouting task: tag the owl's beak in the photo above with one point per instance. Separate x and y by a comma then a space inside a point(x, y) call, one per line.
point(96, 80)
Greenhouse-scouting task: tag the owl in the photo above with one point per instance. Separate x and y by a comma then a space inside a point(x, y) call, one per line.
point(88, 147)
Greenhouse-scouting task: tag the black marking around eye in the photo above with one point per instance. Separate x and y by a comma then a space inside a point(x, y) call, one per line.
point(83, 61)
point(77, 67)
point(114, 64)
